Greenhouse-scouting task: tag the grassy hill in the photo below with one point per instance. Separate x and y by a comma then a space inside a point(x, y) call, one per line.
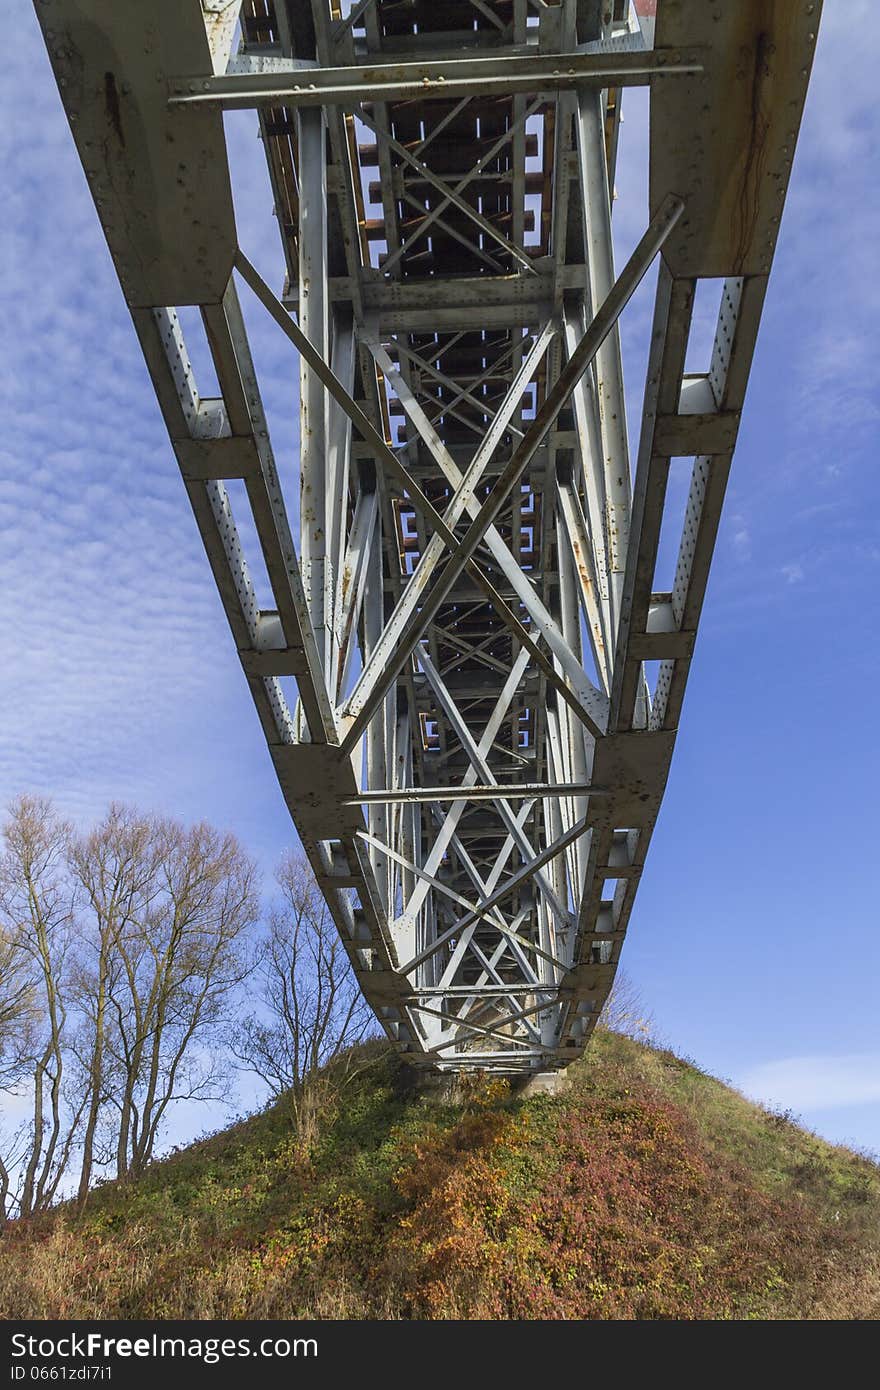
point(650, 1190)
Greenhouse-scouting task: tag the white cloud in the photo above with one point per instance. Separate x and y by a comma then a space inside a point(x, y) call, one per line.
point(816, 1083)
point(118, 675)
point(794, 573)
point(115, 660)
point(833, 204)
point(741, 539)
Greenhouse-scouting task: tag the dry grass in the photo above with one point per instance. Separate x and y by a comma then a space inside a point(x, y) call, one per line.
point(650, 1191)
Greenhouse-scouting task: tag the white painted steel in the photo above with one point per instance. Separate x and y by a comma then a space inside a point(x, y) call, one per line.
point(474, 761)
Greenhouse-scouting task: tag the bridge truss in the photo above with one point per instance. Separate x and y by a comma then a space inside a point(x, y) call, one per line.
point(452, 673)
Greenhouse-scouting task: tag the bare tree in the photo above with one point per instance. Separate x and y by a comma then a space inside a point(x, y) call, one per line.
point(313, 1008)
point(19, 1017)
point(120, 954)
point(180, 958)
point(624, 1010)
point(19, 1009)
point(36, 914)
point(116, 867)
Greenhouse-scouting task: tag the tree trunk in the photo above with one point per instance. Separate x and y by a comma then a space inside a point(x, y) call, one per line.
point(96, 1074)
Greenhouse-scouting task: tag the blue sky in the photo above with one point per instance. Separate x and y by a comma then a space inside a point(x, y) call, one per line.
point(754, 940)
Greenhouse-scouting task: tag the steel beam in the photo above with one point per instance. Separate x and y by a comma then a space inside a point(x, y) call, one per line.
point(294, 84)
point(476, 804)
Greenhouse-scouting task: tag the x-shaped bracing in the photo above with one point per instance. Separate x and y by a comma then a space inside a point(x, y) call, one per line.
point(418, 606)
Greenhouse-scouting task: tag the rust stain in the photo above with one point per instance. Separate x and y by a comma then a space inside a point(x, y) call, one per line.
point(753, 168)
point(111, 103)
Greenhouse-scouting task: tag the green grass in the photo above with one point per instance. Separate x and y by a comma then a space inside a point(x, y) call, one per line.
point(649, 1190)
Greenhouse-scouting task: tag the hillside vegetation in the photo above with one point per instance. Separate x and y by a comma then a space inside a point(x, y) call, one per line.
point(649, 1190)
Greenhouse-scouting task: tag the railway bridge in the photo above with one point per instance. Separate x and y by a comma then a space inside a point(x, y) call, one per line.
point(466, 672)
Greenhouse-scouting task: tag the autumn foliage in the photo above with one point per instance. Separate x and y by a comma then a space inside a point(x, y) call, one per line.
point(650, 1190)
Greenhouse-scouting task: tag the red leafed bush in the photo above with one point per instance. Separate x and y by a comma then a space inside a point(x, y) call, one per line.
point(618, 1216)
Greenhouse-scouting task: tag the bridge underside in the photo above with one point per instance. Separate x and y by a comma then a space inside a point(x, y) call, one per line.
point(453, 671)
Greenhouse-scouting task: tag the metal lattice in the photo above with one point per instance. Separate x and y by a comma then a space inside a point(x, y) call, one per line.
point(452, 677)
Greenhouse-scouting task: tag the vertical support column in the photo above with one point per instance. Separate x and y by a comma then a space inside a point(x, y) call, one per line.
point(403, 777)
point(596, 196)
point(337, 473)
point(314, 322)
point(430, 970)
point(551, 811)
point(570, 622)
point(586, 416)
point(376, 769)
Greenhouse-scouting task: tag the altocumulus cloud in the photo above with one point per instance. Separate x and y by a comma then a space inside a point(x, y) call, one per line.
point(116, 664)
point(816, 1083)
point(114, 656)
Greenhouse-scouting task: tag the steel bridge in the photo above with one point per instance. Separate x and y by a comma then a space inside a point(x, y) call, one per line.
point(468, 680)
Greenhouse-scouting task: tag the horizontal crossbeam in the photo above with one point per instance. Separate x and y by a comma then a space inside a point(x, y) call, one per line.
point(291, 83)
point(477, 793)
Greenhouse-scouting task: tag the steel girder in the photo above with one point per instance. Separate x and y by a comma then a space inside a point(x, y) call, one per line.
point(452, 677)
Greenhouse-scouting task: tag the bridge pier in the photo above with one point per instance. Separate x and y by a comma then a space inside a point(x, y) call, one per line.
point(542, 1083)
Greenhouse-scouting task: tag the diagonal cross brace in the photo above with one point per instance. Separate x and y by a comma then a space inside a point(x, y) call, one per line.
point(457, 809)
point(590, 698)
point(453, 195)
point(607, 315)
point(383, 452)
point(522, 876)
point(468, 742)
